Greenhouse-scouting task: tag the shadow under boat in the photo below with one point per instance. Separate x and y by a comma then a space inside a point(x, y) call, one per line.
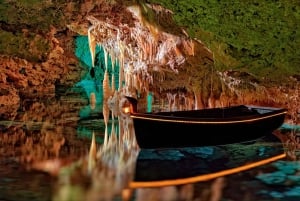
point(166, 167)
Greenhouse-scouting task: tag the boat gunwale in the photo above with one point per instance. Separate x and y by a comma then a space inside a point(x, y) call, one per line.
point(228, 120)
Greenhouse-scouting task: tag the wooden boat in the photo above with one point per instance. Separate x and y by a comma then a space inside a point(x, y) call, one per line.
point(204, 127)
point(166, 167)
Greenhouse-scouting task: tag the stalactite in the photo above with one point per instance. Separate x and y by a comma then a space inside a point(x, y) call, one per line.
point(106, 87)
point(169, 98)
point(92, 44)
point(218, 103)
point(113, 90)
point(189, 47)
point(143, 45)
point(211, 101)
point(121, 64)
point(198, 101)
point(105, 59)
point(174, 105)
point(136, 83)
point(190, 104)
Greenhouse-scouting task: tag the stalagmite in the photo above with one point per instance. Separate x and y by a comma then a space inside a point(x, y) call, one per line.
point(105, 111)
point(93, 100)
point(113, 135)
point(126, 194)
point(92, 154)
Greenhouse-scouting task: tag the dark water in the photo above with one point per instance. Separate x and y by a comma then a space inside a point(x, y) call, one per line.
point(47, 154)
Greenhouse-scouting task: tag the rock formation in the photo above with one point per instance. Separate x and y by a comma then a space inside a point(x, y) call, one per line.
point(155, 54)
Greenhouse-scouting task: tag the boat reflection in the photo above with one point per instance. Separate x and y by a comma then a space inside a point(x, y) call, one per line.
point(167, 167)
point(118, 169)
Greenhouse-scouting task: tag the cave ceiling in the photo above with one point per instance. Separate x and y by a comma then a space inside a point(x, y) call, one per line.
point(166, 45)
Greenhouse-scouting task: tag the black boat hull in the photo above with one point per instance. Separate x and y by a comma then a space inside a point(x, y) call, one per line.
point(153, 131)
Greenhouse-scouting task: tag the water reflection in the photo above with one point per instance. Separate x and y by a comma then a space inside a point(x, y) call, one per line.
point(188, 165)
point(105, 172)
point(95, 157)
point(117, 166)
point(43, 131)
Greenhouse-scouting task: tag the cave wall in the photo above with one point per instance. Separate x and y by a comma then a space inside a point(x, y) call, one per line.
point(259, 39)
